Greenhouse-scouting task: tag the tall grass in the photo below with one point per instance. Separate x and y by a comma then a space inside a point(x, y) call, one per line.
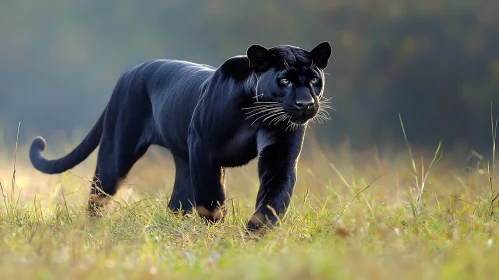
point(420, 177)
point(491, 168)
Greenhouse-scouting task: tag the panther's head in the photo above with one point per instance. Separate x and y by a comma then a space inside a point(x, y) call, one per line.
point(290, 84)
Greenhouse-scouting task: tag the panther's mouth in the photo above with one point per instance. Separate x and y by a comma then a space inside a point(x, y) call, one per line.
point(302, 117)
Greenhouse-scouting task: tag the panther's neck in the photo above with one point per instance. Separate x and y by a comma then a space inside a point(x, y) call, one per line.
point(237, 70)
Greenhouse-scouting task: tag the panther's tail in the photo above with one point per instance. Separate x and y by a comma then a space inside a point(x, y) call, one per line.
point(80, 153)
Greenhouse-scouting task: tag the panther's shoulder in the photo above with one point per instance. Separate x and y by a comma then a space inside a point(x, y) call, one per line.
point(236, 67)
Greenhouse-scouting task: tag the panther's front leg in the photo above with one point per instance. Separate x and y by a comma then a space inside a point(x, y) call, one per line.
point(277, 159)
point(208, 181)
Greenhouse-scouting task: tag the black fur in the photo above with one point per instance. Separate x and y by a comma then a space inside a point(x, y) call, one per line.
point(210, 119)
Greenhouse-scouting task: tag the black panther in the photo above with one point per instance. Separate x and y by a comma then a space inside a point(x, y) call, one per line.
point(256, 105)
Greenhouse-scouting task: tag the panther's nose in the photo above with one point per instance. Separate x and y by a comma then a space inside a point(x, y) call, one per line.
point(305, 104)
point(304, 100)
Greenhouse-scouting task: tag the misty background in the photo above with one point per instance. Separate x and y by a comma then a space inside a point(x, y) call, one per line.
point(434, 61)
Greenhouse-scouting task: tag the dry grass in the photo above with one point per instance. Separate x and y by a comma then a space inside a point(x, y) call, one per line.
point(336, 227)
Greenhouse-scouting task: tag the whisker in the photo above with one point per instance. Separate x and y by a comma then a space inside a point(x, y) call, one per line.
point(326, 105)
point(325, 109)
point(274, 115)
point(259, 106)
point(260, 109)
point(289, 122)
point(264, 112)
point(276, 119)
point(319, 119)
point(267, 102)
point(324, 117)
point(291, 126)
point(325, 113)
point(280, 119)
point(262, 116)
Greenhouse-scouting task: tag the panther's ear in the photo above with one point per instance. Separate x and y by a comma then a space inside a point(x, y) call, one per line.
point(321, 54)
point(260, 59)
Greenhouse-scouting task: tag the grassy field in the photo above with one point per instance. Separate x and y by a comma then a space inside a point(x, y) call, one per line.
point(353, 216)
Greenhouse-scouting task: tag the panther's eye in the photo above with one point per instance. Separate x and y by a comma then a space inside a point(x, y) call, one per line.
point(284, 81)
point(314, 81)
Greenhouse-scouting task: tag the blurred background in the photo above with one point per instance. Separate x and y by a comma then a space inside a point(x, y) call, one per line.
point(434, 61)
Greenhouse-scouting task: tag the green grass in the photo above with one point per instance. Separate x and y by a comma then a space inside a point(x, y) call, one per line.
point(353, 216)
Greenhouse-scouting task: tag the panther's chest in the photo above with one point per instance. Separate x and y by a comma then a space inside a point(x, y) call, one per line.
point(240, 148)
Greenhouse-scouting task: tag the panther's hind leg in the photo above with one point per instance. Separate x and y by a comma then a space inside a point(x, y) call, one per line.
point(182, 198)
point(114, 161)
